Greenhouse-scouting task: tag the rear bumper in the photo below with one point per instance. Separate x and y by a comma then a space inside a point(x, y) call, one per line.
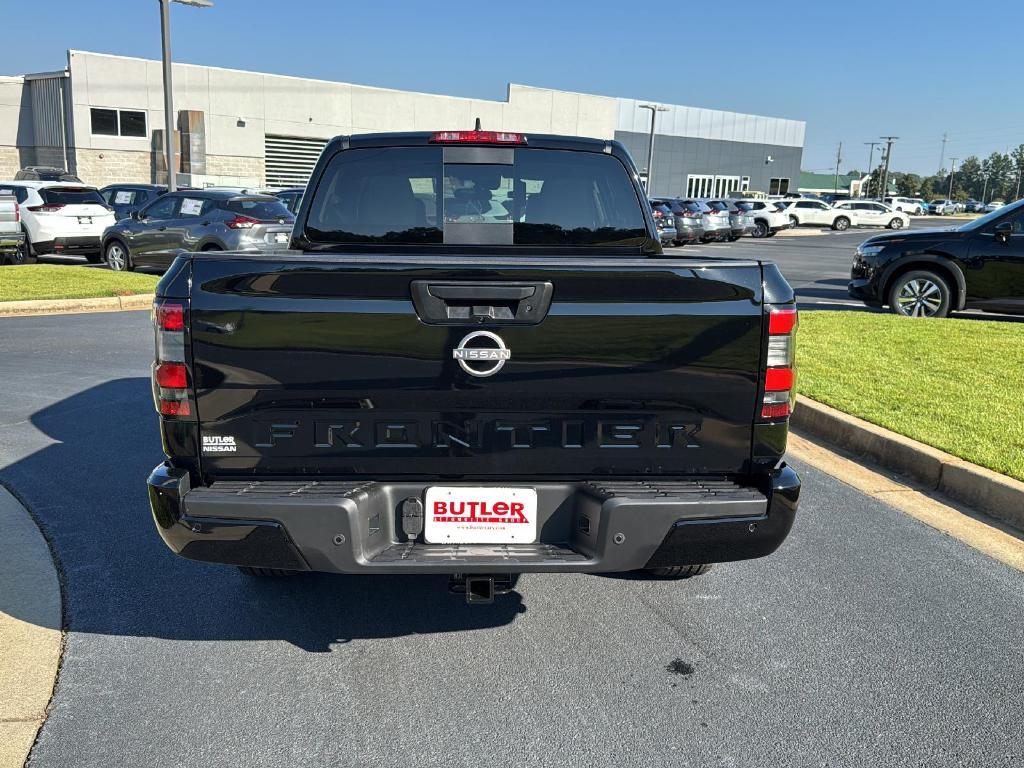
point(585, 527)
point(82, 244)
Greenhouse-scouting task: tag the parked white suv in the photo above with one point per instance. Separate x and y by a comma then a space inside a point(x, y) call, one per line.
point(61, 217)
point(817, 213)
point(769, 218)
point(910, 205)
point(865, 213)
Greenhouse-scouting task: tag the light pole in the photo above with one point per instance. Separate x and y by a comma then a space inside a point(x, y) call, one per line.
point(655, 109)
point(984, 189)
point(165, 34)
point(952, 171)
point(871, 157)
point(885, 174)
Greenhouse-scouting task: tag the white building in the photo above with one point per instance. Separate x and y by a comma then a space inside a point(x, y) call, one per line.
point(102, 118)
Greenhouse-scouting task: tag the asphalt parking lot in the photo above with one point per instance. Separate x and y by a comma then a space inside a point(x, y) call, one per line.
point(868, 639)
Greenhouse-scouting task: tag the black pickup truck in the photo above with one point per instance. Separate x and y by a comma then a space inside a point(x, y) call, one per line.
point(475, 360)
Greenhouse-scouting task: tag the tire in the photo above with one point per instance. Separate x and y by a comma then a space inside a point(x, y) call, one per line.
point(31, 257)
point(896, 223)
point(760, 229)
point(118, 257)
point(920, 293)
point(17, 258)
point(262, 573)
point(678, 571)
point(794, 221)
point(841, 224)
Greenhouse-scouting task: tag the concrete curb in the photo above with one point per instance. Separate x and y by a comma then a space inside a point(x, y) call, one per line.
point(71, 306)
point(30, 630)
point(987, 491)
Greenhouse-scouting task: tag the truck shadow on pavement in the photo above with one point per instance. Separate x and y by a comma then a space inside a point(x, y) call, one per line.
point(88, 493)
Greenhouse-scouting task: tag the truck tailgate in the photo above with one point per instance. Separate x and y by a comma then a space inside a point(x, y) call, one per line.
point(321, 365)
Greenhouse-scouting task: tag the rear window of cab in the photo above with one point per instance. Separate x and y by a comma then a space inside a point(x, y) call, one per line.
point(411, 196)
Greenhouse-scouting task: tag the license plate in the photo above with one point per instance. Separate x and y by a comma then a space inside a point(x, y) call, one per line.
point(85, 219)
point(461, 515)
point(281, 237)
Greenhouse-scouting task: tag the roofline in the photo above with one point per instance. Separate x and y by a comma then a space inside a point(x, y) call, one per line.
point(508, 88)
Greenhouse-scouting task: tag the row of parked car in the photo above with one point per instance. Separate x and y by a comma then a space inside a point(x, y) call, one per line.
point(129, 225)
point(687, 220)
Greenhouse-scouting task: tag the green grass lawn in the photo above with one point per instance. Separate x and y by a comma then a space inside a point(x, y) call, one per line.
point(54, 281)
point(957, 385)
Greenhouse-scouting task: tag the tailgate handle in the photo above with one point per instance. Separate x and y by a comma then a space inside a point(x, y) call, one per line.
point(458, 303)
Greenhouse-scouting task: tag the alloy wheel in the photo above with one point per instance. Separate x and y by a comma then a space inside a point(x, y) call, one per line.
point(896, 224)
point(117, 260)
point(920, 297)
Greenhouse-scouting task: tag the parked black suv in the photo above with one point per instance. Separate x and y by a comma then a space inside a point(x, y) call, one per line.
point(931, 272)
point(44, 173)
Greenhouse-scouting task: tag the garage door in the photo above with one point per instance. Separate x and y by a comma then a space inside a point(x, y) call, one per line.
point(290, 160)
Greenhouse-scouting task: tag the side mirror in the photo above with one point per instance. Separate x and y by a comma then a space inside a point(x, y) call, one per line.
point(1003, 231)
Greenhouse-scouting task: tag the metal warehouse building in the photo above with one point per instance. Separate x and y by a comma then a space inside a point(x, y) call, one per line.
point(102, 118)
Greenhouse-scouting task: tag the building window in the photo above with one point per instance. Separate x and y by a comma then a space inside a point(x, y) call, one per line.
point(778, 186)
point(118, 122)
point(745, 184)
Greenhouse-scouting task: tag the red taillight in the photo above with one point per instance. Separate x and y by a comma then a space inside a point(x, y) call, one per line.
point(778, 379)
point(779, 376)
point(170, 317)
point(175, 408)
point(477, 137)
point(242, 222)
point(775, 411)
point(781, 321)
point(48, 208)
point(171, 391)
point(172, 375)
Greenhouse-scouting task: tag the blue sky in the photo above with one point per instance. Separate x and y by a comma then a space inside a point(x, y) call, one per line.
point(853, 70)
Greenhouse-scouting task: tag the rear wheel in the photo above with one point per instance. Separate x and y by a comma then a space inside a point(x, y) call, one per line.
point(794, 221)
point(678, 571)
point(920, 293)
point(841, 224)
point(760, 229)
point(117, 257)
point(896, 223)
point(30, 253)
point(265, 572)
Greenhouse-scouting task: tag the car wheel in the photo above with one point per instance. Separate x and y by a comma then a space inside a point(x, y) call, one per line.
point(841, 224)
point(117, 257)
point(920, 293)
point(793, 220)
point(896, 223)
point(18, 257)
point(248, 570)
point(760, 229)
point(31, 257)
point(678, 571)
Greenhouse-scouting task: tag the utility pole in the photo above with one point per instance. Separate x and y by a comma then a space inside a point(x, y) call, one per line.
point(1016, 195)
point(839, 159)
point(942, 157)
point(871, 157)
point(952, 171)
point(984, 189)
point(165, 36)
point(655, 109)
point(888, 156)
